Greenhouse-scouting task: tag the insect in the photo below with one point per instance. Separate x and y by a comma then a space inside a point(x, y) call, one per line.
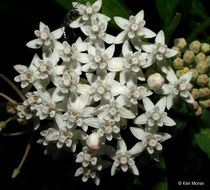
point(71, 16)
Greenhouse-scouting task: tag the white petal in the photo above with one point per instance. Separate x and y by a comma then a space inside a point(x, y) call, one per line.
point(122, 23)
point(61, 124)
point(161, 104)
point(110, 51)
point(116, 64)
point(121, 37)
point(140, 16)
point(171, 76)
point(160, 38)
point(186, 77)
point(35, 44)
point(109, 39)
point(126, 49)
point(125, 113)
point(113, 170)
point(164, 136)
point(83, 57)
point(148, 47)
point(190, 99)
point(57, 33)
point(136, 149)
point(170, 100)
point(121, 145)
point(168, 121)
point(97, 5)
point(148, 105)
point(141, 120)
point(138, 133)
point(76, 23)
point(170, 53)
point(134, 169)
point(148, 33)
point(93, 122)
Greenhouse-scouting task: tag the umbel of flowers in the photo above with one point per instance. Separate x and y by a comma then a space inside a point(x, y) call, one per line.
point(194, 57)
point(89, 94)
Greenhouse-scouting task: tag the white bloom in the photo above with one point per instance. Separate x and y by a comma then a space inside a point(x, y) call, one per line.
point(24, 111)
point(155, 81)
point(98, 58)
point(45, 37)
point(149, 140)
point(96, 32)
point(105, 88)
point(77, 112)
point(130, 65)
point(179, 87)
point(159, 52)
point(33, 98)
point(114, 110)
point(155, 114)
point(125, 159)
point(133, 29)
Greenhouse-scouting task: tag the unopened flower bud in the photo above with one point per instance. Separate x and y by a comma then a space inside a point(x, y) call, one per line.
point(195, 74)
point(195, 93)
point(180, 43)
point(204, 92)
point(202, 67)
point(205, 48)
point(188, 56)
point(205, 103)
point(179, 73)
point(178, 50)
point(195, 105)
point(178, 63)
point(202, 80)
point(186, 69)
point(155, 81)
point(93, 141)
point(199, 111)
point(195, 46)
point(200, 57)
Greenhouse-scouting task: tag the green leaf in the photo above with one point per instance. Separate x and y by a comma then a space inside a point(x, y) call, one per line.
point(162, 185)
point(203, 140)
point(166, 10)
point(170, 29)
point(198, 9)
point(110, 8)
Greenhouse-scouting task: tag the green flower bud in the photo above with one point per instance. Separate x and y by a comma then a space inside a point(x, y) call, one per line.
point(179, 73)
point(178, 50)
point(178, 63)
point(195, 93)
point(186, 69)
point(204, 92)
point(195, 105)
point(188, 56)
point(195, 46)
point(205, 48)
point(198, 111)
point(202, 67)
point(180, 43)
point(205, 103)
point(200, 57)
point(202, 80)
point(195, 74)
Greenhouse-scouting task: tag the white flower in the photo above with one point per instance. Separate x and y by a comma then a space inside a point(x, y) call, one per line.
point(98, 58)
point(96, 32)
point(103, 89)
point(159, 52)
point(33, 98)
point(45, 37)
point(149, 140)
point(24, 111)
point(155, 114)
point(114, 110)
point(73, 52)
point(27, 74)
point(76, 113)
point(133, 29)
point(125, 159)
point(86, 12)
point(155, 81)
point(179, 87)
point(130, 65)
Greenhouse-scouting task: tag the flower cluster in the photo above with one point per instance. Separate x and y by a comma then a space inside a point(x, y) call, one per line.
point(194, 57)
point(89, 95)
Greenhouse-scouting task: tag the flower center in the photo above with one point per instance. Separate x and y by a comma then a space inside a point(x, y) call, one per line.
point(161, 49)
point(155, 116)
point(44, 36)
point(112, 111)
point(123, 160)
point(68, 51)
point(134, 61)
point(73, 116)
point(89, 10)
point(152, 142)
point(101, 90)
point(25, 76)
point(67, 83)
point(107, 128)
point(181, 86)
point(32, 99)
point(44, 68)
point(46, 109)
point(135, 94)
point(98, 59)
point(95, 29)
point(87, 156)
point(134, 27)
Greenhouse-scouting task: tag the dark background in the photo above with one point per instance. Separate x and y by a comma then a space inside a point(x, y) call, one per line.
point(184, 161)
